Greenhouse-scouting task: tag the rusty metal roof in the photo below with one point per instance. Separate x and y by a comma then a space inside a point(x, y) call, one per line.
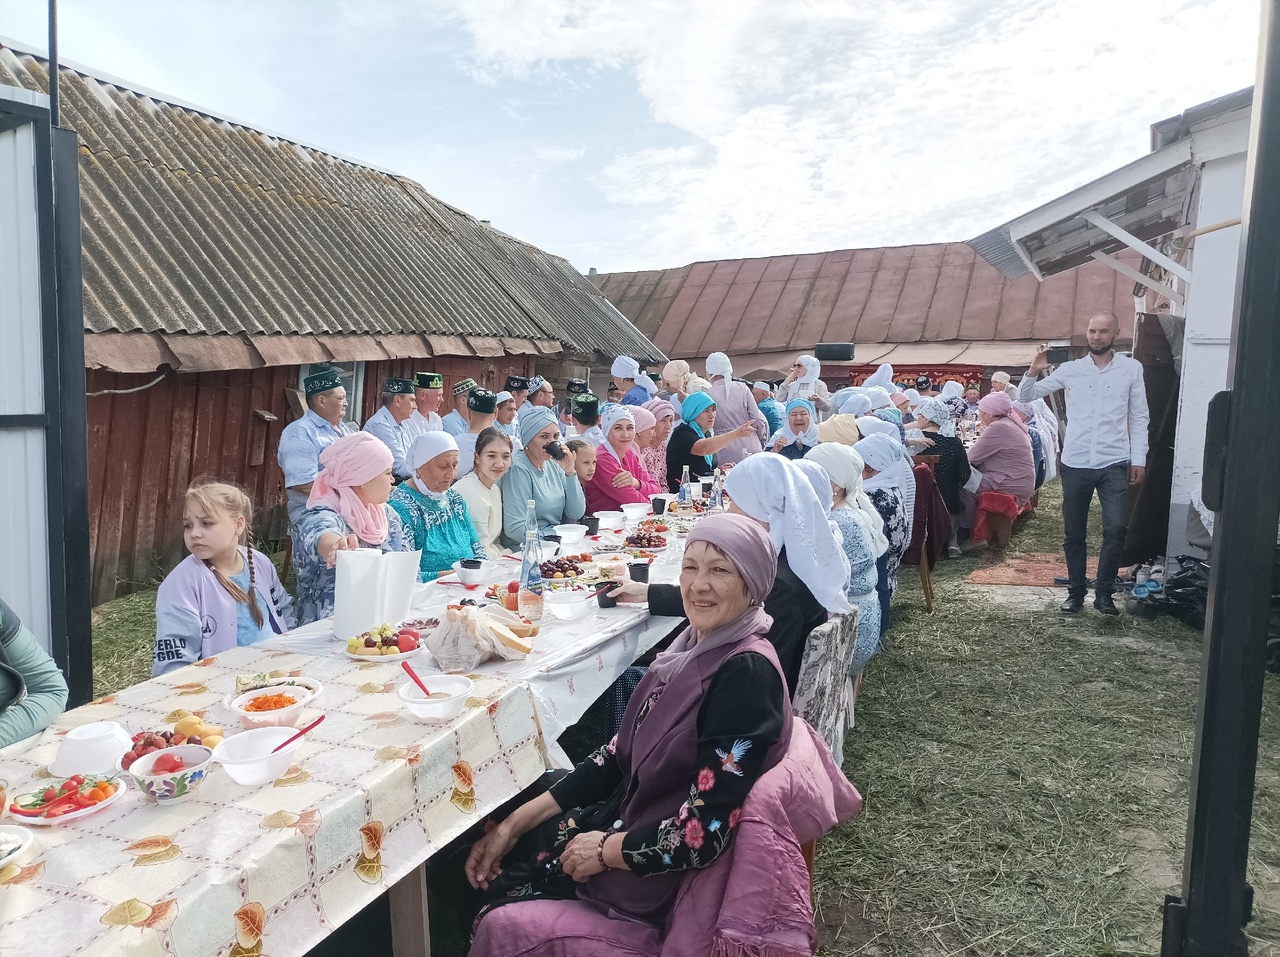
point(939, 293)
point(193, 224)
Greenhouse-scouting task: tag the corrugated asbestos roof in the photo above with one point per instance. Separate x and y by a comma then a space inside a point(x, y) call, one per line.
point(904, 294)
point(193, 224)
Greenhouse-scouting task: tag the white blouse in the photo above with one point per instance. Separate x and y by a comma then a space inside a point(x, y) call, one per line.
point(485, 506)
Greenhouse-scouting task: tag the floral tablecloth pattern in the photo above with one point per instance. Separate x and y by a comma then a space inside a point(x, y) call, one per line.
point(242, 871)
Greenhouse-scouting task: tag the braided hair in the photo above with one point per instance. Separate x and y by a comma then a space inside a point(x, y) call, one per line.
point(228, 499)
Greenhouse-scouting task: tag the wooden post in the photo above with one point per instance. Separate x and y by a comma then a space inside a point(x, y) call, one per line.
point(410, 931)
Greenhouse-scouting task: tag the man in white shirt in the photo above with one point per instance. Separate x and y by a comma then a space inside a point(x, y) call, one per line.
point(459, 420)
point(1105, 449)
point(428, 393)
point(483, 406)
point(505, 419)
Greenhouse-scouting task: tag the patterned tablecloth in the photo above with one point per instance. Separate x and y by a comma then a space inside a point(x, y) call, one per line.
point(240, 871)
point(572, 664)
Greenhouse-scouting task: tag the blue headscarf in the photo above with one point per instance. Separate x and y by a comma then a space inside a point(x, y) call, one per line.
point(693, 406)
point(808, 437)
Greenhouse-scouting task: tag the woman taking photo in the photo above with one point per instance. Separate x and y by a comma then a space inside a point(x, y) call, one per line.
point(347, 509)
point(607, 849)
point(480, 490)
point(537, 473)
point(619, 475)
point(693, 443)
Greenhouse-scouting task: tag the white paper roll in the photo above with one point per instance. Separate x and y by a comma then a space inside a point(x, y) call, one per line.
point(357, 597)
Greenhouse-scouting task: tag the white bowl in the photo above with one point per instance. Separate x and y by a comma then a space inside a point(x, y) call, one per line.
point(571, 534)
point(635, 511)
point(545, 551)
point(487, 571)
point(91, 749)
point(247, 756)
point(457, 687)
point(11, 834)
point(611, 521)
point(176, 786)
point(568, 605)
point(281, 717)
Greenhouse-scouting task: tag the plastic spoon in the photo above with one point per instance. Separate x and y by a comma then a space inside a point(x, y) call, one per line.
point(288, 741)
point(414, 675)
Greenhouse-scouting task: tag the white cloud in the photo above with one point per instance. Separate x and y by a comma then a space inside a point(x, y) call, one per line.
point(840, 124)
point(559, 154)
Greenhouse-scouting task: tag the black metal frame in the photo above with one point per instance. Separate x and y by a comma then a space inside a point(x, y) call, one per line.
point(1239, 483)
point(64, 420)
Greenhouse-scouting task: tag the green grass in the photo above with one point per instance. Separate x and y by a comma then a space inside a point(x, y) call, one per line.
point(124, 636)
point(1025, 781)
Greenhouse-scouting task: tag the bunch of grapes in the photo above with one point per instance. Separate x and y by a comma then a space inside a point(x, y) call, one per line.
point(646, 540)
point(561, 568)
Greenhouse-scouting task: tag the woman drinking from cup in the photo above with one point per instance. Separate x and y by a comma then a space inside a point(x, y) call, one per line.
point(543, 471)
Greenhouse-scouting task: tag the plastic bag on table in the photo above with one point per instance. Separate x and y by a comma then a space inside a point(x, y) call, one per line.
point(474, 634)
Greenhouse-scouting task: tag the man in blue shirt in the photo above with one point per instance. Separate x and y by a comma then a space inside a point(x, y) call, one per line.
point(304, 439)
point(459, 420)
point(626, 373)
point(390, 424)
point(763, 395)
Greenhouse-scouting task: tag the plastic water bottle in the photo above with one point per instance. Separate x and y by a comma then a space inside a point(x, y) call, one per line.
point(686, 493)
point(717, 491)
point(529, 598)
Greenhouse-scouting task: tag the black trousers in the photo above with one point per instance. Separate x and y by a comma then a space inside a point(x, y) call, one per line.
point(1078, 486)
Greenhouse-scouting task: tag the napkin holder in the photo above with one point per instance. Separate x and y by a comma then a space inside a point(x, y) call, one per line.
point(372, 588)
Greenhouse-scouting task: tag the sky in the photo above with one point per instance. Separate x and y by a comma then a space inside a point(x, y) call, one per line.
point(645, 134)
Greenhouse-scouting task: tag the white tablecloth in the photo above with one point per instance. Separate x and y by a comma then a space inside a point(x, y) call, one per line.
point(572, 664)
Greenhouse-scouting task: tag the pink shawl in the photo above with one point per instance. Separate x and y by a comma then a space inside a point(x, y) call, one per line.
point(350, 461)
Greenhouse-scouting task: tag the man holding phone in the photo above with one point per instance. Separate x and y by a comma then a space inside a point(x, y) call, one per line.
point(1105, 449)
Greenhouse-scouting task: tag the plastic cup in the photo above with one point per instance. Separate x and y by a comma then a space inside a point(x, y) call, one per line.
point(606, 599)
point(639, 571)
point(593, 525)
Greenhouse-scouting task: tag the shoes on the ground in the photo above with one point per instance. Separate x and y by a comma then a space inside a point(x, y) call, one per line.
point(1105, 605)
point(1072, 605)
point(953, 551)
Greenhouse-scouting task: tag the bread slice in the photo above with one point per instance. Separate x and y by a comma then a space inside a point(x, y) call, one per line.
point(510, 638)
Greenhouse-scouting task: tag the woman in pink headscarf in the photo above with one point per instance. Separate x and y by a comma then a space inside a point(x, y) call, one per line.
point(653, 453)
point(620, 476)
point(347, 509)
point(1002, 454)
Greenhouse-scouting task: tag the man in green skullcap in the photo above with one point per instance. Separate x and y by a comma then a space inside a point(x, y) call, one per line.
point(584, 410)
point(304, 439)
point(459, 420)
point(391, 423)
point(428, 393)
point(483, 406)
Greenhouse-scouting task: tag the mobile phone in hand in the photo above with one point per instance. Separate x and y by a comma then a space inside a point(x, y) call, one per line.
point(1057, 355)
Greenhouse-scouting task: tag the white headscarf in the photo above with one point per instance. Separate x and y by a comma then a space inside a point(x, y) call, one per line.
point(891, 460)
point(611, 413)
point(817, 477)
point(913, 397)
point(936, 411)
point(844, 467)
point(881, 378)
point(856, 404)
point(763, 387)
point(812, 369)
point(625, 367)
point(425, 448)
point(772, 489)
point(646, 382)
point(718, 364)
point(871, 425)
point(879, 398)
point(952, 388)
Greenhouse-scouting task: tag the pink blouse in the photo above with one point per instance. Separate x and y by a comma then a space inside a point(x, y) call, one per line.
point(601, 494)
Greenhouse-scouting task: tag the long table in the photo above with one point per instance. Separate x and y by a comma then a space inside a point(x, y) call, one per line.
point(238, 871)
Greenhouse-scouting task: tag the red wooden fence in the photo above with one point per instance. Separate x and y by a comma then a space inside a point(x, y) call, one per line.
point(147, 447)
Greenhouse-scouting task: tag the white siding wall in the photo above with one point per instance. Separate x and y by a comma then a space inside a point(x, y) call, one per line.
point(1209, 308)
point(24, 561)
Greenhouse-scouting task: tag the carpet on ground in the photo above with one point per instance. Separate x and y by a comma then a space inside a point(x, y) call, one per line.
point(1031, 568)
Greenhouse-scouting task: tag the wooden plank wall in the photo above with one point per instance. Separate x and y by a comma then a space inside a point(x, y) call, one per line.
point(146, 448)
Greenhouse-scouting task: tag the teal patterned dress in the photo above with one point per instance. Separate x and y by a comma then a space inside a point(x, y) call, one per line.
point(441, 528)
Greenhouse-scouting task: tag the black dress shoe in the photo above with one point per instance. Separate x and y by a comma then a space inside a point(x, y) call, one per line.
point(1072, 605)
point(1105, 605)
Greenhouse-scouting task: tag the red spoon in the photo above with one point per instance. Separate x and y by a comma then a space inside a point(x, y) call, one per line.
point(288, 741)
point(414, 675)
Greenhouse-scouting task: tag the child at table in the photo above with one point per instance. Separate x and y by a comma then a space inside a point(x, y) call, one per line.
point(584, 459)
point(224, 593)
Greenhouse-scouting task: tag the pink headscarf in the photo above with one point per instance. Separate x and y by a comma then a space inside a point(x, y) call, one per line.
point(660, 408)
point(644, 418)
point(350, 461)
point(998, 405)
